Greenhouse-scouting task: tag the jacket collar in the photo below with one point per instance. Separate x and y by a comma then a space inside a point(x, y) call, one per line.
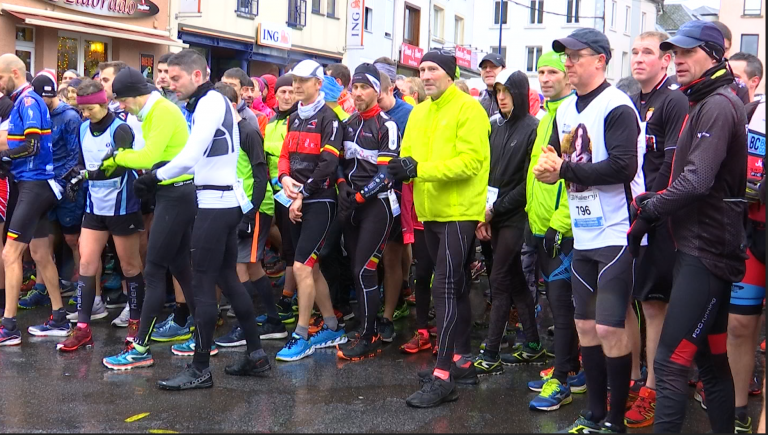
point(551, 105)
point(447, 97)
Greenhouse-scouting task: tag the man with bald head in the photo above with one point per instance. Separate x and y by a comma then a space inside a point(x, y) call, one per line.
point(30, 158)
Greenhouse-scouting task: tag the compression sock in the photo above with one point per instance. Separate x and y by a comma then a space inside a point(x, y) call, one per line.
point(263, 289)
point(86, 295)
point(332, 322)
point(9, 323)
point(619, 374)
point(593, 360)
point(135, 295)
point(302, 331)
point(181, 314)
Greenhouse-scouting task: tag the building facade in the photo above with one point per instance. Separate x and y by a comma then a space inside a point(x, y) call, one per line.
point(746, 20)
point(262, 37)
point(528, 28)
point(79, 34)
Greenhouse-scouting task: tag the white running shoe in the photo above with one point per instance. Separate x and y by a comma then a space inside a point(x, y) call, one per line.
point(121, 321)
point(99, 311)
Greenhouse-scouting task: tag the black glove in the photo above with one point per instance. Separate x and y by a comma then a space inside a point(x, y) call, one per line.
point(5, 168)
point(640, 223)
point(638, 203)
point(552, 240)
point(246, 226)
point(71, 189)
point(144, 187)
point(346, 200)
point(402, 169)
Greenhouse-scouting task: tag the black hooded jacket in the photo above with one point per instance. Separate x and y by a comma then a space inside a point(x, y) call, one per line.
point(511, 143)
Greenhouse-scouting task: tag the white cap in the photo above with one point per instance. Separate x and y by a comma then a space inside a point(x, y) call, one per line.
point(502, 77)
point(307, 69)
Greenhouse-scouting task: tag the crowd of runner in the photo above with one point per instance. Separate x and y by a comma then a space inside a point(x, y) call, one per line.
point(640, 211)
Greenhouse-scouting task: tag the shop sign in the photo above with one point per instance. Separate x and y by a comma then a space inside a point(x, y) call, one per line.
point(411, 55)
point(148, 66)
point(355, 23)
point(110, 8)
point(272, 35)
point(463, 57)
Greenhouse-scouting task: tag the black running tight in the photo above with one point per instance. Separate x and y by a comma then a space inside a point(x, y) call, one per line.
point(423, 277)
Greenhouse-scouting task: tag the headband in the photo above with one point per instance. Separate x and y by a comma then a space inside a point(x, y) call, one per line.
point(97, 98)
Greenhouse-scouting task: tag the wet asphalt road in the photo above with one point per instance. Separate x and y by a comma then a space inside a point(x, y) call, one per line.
point(42, 390)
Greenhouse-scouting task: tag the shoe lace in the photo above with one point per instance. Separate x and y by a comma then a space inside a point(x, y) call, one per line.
point(292, 342)
point(551, 386)
point(644, 407)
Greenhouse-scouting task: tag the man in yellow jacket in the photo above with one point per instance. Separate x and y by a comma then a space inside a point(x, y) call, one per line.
point(445, 153)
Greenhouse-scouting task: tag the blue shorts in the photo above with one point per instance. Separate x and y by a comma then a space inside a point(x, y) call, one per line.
point(747, 296)
point(69, 214)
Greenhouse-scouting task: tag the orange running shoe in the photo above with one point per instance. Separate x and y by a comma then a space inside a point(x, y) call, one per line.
point(416, 344)
point(547, 373)
point(643, 410)
point(80, 338)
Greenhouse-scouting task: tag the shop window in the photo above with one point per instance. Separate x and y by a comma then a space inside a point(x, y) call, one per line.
point(247, 8)
point(95, 52)
point(315, 6)
point(25, 46)
point(297, 13)
point(82, 53)
point(749, 43)
point(411, 25)
point(331, 11)
point(368, 19)
point(500, 12)
point(572, 16)
point(502, 52)
point(753, 8)
point(438, 23)
point(533, 54)
point(537, 12)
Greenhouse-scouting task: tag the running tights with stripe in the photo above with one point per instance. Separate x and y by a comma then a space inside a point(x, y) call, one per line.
point(694, 331)
point(365, 236)
point(214, 262)
point(450, 246)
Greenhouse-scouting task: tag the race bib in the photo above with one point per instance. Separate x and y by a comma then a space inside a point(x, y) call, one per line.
point(586, 210)
point(242, 198)
point(57, 190)
point(493, 193)
point(393, 203)
point(112, 183)
point(282, 198)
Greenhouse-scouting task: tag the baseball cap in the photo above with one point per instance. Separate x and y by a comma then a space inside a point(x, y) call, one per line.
point(308, 69)
point(583, 38)
point(494, 58)
point(45, 84)
point(693, 34)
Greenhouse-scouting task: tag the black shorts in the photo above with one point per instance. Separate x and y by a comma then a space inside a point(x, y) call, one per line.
point(602, 284)
point(251, 249)
point(148, 205)
point(124, 225)
point(284, 224)
point(30, 215)
point(309, 234)
point(396, 233)
point(654, 268)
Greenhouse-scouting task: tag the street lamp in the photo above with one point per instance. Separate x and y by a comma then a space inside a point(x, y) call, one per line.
point(501, 18)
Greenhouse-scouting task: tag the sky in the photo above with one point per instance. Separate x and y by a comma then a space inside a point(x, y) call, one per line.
point(693, 4)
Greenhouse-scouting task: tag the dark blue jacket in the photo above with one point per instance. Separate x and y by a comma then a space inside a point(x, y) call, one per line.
point(66, 142)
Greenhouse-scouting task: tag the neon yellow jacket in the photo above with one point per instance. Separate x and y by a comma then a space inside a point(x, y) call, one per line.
point(449, 140)
point(546, 204)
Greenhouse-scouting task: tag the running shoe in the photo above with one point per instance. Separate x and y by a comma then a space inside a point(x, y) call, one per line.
point(485, 365)
point(37, 297)
point(583, 424)
point(128, 359)
point(284, 307)
point(416, 344)
point(466, 375)
point(634, 391)
point(295, 302)
point(643, 410)
point(432, 331)
point(742, 425)
point(51, 328)
point(296, 349)
point(121, 321)
point(133, 330)
point(402, 311)
point(530, 354)
point(386, 330)
point(163, 323)
point(315, 324)
point(360, 349)
point(235, 338)
point(66, 288)
point(286, 318)
point(755, 386)
point(276, 271)
point(188, 348)
point(173, 332)
point(346, 312)
point(115, 299)
point(8, 337)
point(247, 365)
point(112, 282)
point(547, 373)
point(577, 383)
point(553, 395)
point(411, 300)
point(762, 346)
point(271, 258)
point(477, 268)
point(28, 283)
point(699, 394)
point(504, 344)
point(99, 311)
point(434, 391)
point(327, 338)
point(80, 338)
point(190, 378)
point(272, 331)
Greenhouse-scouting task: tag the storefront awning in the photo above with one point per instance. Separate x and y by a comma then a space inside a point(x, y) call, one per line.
point(39, 20)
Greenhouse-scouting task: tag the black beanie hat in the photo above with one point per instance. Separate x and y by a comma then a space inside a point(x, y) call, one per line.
point(130, 83)
point(44, 85)
point(283, 81)
point(444, 59)
point(368, 74)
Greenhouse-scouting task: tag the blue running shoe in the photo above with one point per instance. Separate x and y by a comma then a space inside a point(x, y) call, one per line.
point(553, 395)
point(160, 325)
point(9, 338)
point(284, 317)
point(37, 297)
point(188, 348)
point(51, 328)
point(129, 358)
point(577, 383)
point(296, 349)
point(327, 338)
point(280, 283)
point(112, 283)
point(173, 332)
point(235, 338)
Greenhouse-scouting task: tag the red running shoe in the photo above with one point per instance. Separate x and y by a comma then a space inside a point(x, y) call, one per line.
point(80, 338)
point(133, 330)
point(416, 344)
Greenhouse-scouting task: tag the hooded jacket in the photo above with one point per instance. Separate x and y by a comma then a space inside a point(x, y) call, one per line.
point(511, 142)
point(547, 204)
point(65, 134)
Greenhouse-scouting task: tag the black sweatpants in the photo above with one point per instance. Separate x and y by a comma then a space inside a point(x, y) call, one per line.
point(557, 277)
point(450, 246)
point(214, 262)
point(694, 330)
point(365, 236)
point(507, 283)
point(168, 247)
point(336, 267)
point(425, 266)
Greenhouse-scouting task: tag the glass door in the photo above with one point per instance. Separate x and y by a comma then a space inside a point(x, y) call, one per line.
point(82, 53)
